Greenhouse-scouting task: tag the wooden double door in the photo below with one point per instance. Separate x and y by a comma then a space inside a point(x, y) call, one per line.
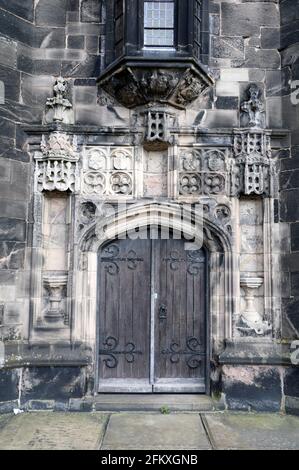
point(152, 317)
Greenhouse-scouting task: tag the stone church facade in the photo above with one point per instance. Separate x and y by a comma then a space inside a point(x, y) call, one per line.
point(149, 222)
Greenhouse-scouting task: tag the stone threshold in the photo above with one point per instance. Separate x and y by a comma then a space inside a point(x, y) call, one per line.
point(153, 402)
point(109, 403)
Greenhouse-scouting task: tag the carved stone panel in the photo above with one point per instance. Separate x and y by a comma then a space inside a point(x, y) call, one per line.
point(202, 172)
point(189, 88)
point(108, 171)
point(155, 174)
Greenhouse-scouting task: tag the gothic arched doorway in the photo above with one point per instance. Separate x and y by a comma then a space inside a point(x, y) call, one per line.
point(152, 297)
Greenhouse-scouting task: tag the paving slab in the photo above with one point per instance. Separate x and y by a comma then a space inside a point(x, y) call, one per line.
point(237, 431)
point(53, 431)
point(155, 432)
point(4, 419)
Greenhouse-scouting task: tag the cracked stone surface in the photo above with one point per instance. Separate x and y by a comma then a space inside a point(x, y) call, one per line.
point(253, 431)
point(150, 431)
point(60, 431)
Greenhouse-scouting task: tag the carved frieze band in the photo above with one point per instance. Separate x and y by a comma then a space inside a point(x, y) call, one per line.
point(246, 168)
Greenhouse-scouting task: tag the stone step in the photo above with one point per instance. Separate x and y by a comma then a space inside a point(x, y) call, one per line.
point(153, 402)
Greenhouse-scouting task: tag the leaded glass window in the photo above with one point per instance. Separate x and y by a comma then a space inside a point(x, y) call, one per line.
point(197, 27)
point(159, 24)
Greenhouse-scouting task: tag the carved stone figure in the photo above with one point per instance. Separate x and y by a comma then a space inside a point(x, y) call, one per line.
point(59, 108)
point(223, 213)
point(253, 109)
point(158, 84)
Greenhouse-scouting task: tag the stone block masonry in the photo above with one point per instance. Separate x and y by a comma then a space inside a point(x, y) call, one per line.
point(103, 156)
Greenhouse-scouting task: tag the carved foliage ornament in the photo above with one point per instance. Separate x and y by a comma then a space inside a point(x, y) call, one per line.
point(57, 163)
